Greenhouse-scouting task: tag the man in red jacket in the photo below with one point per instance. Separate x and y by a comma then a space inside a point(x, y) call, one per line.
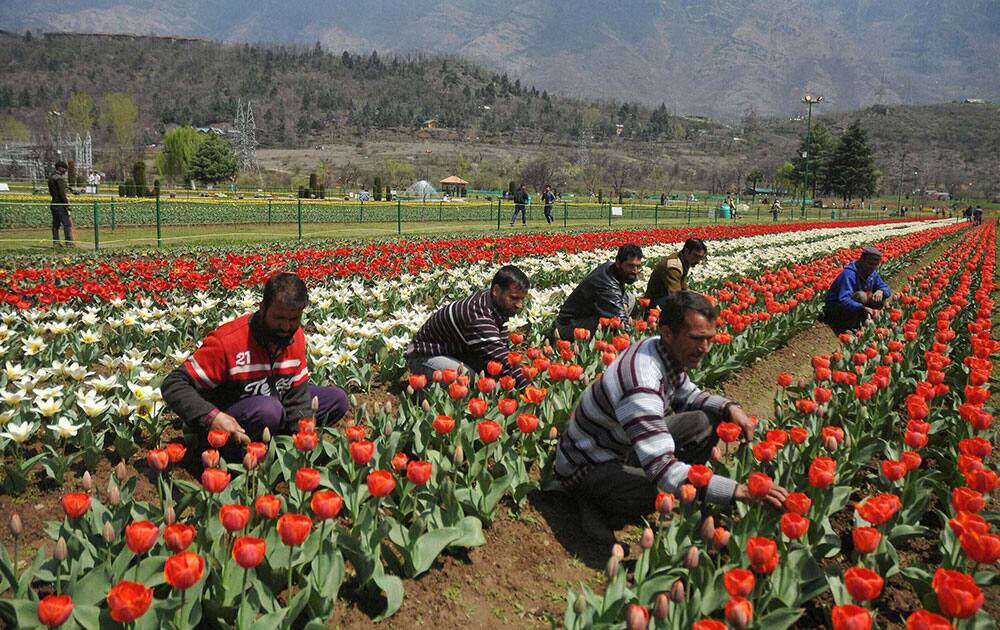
point(250, 373)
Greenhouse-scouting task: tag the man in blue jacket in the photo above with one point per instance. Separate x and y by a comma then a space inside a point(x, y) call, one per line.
point(857, 293)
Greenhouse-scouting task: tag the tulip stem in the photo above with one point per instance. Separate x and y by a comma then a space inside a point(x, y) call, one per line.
point(288, 597)
point(243, 596)
point(180, 611)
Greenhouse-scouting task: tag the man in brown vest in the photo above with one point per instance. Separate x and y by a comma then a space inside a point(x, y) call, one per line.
point(670, 273)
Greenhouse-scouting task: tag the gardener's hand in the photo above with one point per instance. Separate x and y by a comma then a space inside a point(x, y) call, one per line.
point(774, 499)
point(229, 424)
point(740, 417)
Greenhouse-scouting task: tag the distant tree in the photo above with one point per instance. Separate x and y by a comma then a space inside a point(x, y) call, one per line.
point(821, 146)
point(119, 116)
point(539, 172)
point(852, 171)
point(753, 178)
point(214, 161)
point(784, 177)
point(177, 151)
point(13, 129)
point(80, 113)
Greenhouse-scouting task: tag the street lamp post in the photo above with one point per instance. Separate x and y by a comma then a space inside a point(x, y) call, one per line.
point(809, 100)
point(899, 184)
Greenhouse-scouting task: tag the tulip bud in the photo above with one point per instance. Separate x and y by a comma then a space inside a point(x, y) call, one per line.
point(249, 461)
point(314, 405)
point(458, 457)
point(830, 444)
point(121, 472)
point(266, 436)
point(722, 536)
point(169, 515)
point(553, 433)
point(87, 483)
point(646, 540)
point(738, 616)
point(15, 525)
point(677, 591)
point(708, 528)
point(114, 497)
point(207, 460)
point(716, 454)
point(388, 428)
point(60, 552)
point(693, 558)
point(611, 568)
point(661, 606)
point(618, 551)
point(354, 401)
point(636, 617)
point(580, 604)
point(108, 533)
point(688, 493)
point(802, 383)
point(409, 390)
point(426, 406)
point(667, 504)
point(388, 408)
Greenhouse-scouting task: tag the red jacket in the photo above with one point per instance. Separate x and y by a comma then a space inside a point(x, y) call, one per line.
point(233, 363)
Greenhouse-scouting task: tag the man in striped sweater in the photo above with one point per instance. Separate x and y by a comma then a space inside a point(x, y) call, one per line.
point(638, 429)
point(467, 334)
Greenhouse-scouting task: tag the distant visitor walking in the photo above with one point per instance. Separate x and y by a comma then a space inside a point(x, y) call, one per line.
point(520, 198)
point(61, 216)
point(548, 197)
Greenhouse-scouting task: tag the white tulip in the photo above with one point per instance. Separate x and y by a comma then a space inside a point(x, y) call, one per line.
point(65, 429)
point(18, 432)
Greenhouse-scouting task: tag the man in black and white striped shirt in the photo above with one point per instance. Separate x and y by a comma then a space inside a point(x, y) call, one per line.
point(638, 429)
point(469, 333)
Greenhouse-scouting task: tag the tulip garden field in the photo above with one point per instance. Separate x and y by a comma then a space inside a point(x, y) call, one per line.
point(425, 506)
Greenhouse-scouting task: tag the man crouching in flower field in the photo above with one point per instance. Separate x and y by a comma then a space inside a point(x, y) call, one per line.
point(640, 427)
point(472, 332)
point(857, 293)
point(250, 373)
point(603, 293)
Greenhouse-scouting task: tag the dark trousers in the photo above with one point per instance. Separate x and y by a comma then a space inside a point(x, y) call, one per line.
point(255, 413)
point(519, 207)
point(548, 214)
point(622, 489)
point(61, 217)
point(842, 319)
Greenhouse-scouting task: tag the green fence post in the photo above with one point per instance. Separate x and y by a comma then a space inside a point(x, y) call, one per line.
point(565, 213)
point(499, 206)
point(399, 217)
point(97, 228)
point(758, 214)
point(687, 204)
point(656, 215)
point(300, 218)
point(158, 232)
point(112, 215)
point(609, 214)
point(361, 213)
point(440, 209)
point(269, 212)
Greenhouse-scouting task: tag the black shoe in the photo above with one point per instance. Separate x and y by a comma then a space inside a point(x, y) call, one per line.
point(593, 525)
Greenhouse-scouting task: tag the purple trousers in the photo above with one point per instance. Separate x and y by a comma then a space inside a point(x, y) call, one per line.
point(255, 413)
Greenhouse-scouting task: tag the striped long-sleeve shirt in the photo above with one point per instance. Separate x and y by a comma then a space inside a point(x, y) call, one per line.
point(470, 330)
point(625, 410)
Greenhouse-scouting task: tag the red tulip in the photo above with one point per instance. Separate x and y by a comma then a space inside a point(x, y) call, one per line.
point(863, 584)
point(307, 479)
point(784, 379)
point(805, 405)
point(326, 504)
point(968, 521)
point(915, 440)
point(893, 470)
point(218, 437)
point(418, 381)
point(178, 536)
point(878, 509)
point(399, 461)
point(636, 617)
point(708, 624)
point(763, 554)
point(798, 435)
point(778, 436)
point(957, 593)
point(267, 506)
point(822, 394)
point(739, 612)
point(526, 422)
point(533, 395)
point(305, 442)
point(457, 391)
point(210, 458)
point(664, 503)
point(128, 601)
point(759, 484)
point(798, 502)
point(158, 459)
point(248, 551)
point(257, 449)
point(688, 493)
point(738, 582)
point(294, 528)
point(851, 617)
point(728, 431)
point(965, 499)
point(234, 517)
point(981, 548)
point(981, 480)
point(361, 451)
point(183, 570)
point(765, 451)
point(354, 433)
point(54, 610)
point(926, 620)
point(140, 536)
point(380, 483)
point(866, 539)
point(793, 525)
point(911, 459)
point(558, 371)
point(419, 472)
point(721, 536)
point(821, 472)
point(75, 504)
point(478, 407)
point(488, 430)
point(699, 475)
point(176, 452)
point(307, 425)
point(443, 424)
point(976, 446)
point(507, 406)
point(493, 368)
point(214, 479)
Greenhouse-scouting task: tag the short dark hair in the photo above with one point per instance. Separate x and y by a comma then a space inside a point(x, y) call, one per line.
point(694, 244)
point(628, 252)
point(673, 314)
point(508, 276)
point(287, 289)
point(61, 164)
